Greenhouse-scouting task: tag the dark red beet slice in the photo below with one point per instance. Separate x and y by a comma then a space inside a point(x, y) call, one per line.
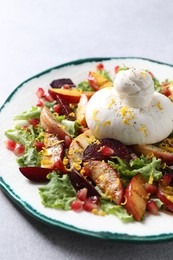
point(65, 108)
point(79, 182)
point(94, 151)
point(36, 174)
point(120, 150)
point(59, 83)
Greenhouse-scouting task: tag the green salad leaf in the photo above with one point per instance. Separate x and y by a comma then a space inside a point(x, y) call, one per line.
point(34, 112)
point(110, 208)
point(58, 193)
point(147, 167)
point(84, 86)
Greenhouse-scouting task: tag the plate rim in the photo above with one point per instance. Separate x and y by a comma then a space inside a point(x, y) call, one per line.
point(56, 223)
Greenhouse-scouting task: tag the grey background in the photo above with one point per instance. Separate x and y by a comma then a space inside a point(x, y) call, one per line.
point(38, 34)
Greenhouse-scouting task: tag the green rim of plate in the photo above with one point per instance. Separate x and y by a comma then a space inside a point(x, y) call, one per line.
point(53, 222)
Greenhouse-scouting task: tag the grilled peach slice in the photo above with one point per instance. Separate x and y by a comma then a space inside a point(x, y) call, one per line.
point(165, 194)
point(107, 180)
point(71, 95)
point(49, 123)
point(52, 153)
point(81, 110)
point(136, 197)
point(166, 157)
point(78, 146)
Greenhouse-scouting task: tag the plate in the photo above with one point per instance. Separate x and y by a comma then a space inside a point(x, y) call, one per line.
point(25, 193)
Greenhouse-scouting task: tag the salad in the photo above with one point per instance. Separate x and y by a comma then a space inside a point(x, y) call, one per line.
point(79, 171)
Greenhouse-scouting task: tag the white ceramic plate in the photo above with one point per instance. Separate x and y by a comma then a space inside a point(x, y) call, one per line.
point(25, 193)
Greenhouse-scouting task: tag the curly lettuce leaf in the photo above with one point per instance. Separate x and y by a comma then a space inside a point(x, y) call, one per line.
point(30, 158)
point(58, 193)
point(149, 168)
point(34, 112)
point(84, 86)
point(110, 208)
point(21, 135)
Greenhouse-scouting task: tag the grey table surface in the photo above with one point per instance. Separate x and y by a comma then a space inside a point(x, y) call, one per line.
point(39, 34)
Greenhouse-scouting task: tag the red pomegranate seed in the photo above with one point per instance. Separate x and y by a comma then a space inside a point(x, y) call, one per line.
point(89, 206)
point(57, 109)
point(77, 205)
point(167, 178)
point(151, 74)
point(40, 103)
point(58, 165)
point(87, 171)
point(152, 207)
point(10, 145)
point(166, 92)
point(100, 66)
point(151, 188)
point(93, 200)
point(40, 93)
point(66, 86)
point(68, 141)
point(107, 151)
point(49, 98)
point(19, 150)
point(33, 121)
point(82, 194)
point(116, 69)
point(39, 145)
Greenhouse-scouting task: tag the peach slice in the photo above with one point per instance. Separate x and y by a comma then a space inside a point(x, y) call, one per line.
point(72, 95)
point(158, 152)
point(136, 197)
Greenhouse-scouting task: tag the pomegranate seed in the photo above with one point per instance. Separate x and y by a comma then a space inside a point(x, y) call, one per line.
point(40, 93)
point(66, 86)
point(116, 69)
point(87, 171)
point(107, 151)
point(93, 82)
point(152, 207)
point(151, 188)
point(77, 205)
point(93, 200)
point(167, 178)
point(10, 145)
point(151, 74)
point(40, 103)
point(57, 109)
point(89, 206)
point(58, 165)
point(33, 121)
point(39, 145)
point(166, 92)
point(49, 98)
point(82, 194)
point(68, 141)
point(100, 66)
point(19, 150)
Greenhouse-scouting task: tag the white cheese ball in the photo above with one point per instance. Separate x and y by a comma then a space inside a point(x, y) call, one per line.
point(135, 87)
point(108, 116)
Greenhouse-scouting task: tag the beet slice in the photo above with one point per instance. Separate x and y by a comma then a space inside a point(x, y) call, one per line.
point(59, 83)
point(65, 108)
point(36, 174)
point(94, 150)
point(79, 182)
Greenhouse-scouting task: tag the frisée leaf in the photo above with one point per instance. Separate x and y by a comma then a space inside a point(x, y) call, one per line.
point(58, 193)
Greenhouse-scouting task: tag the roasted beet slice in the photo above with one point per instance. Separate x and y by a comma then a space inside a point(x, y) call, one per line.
point(59, 83)
point(120, 150)
point(96, 151)
point(36, 174)
point(65, 108)
point(79, 182)
point(93, 152)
